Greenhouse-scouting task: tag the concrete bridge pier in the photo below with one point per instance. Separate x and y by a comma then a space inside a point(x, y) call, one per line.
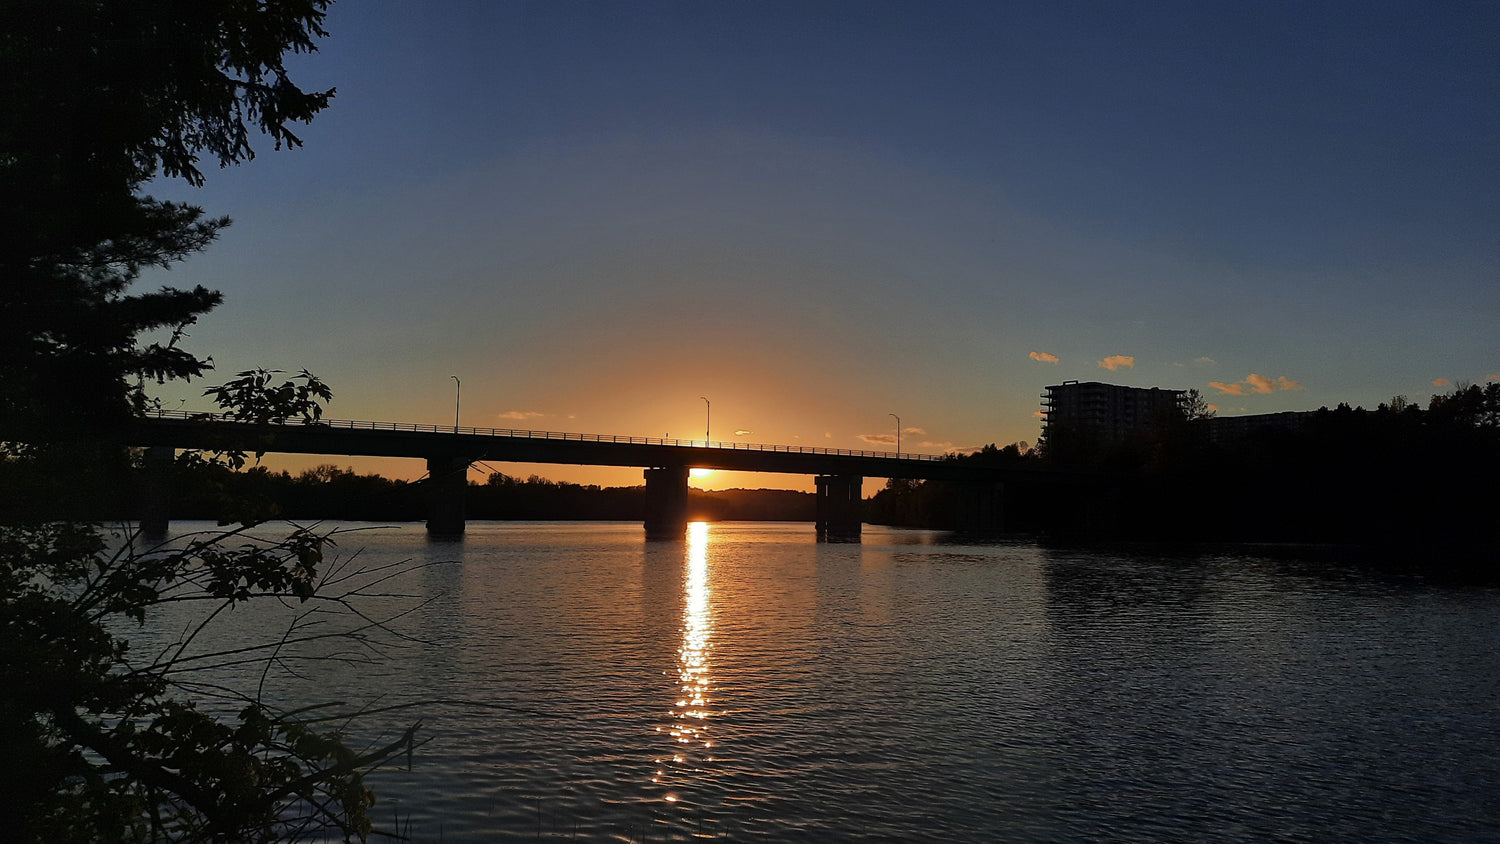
point(156, 491)
point(983, 508)
point(840, 506)
point(447, 483)
point(666, 502)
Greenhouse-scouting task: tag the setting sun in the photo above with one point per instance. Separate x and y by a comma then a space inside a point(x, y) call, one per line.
point(701, 473)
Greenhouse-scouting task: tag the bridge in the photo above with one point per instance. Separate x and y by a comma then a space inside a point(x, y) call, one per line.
point(449, 451)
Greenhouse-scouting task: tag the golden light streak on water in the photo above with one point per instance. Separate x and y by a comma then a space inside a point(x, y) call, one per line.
point(693, 700)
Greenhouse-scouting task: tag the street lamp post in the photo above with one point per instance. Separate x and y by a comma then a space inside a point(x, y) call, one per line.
point(457, 394)
point(898, 432)
point(708, 416)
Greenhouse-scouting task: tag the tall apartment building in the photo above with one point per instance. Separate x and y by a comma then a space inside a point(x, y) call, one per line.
point(1109, 412)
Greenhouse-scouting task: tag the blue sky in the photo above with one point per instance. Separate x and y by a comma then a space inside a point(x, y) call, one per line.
point(818, 214)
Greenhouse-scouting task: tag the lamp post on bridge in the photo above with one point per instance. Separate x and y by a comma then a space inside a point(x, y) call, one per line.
point(457, 394)
point(898, 432)
point(708, 416)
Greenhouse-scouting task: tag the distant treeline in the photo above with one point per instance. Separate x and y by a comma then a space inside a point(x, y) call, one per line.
point(944, 506)
point(1399, 478)
point(331, 493)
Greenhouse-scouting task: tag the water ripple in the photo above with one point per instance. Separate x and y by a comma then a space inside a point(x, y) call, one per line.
point(750, 681)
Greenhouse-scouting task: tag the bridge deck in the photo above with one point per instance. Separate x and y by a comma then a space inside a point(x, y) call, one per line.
point(394, 439)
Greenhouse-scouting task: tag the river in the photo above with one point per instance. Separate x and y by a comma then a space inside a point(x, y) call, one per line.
point(576, 681)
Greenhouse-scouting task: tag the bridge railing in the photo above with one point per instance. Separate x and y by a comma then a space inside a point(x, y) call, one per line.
point(419, 428)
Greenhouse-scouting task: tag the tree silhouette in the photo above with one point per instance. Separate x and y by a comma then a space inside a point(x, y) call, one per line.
point(97, 99)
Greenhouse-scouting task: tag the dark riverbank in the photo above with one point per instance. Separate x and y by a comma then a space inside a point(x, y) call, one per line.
point(331, 493)
point(1399, 484)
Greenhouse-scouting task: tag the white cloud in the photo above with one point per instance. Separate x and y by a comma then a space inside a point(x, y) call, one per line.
point(1260, 383)
point(948, 448)
point(1256, 383)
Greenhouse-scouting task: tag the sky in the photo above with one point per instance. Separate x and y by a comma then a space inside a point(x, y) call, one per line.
point(819, 215)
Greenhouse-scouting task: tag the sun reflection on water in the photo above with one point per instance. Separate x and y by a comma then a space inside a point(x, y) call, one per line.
point(691, 710)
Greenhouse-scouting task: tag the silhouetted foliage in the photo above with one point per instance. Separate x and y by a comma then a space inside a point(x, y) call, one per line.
point(100, 98)
point(251, 397)
point(1397, 480)
point(112, 744)
point(1194, 406)
point(942, 505)
point(101, 743)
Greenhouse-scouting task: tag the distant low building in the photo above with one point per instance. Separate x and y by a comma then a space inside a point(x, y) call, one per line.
point(1224, 430)
point(1105, 413)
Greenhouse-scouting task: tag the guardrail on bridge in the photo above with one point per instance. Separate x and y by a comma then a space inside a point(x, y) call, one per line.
point(365, 425)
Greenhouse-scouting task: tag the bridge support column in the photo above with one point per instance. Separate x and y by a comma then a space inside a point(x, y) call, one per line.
point(156, 491)
point(983, 508)
point(447, 483)
point(666, 502)
point(840, 508)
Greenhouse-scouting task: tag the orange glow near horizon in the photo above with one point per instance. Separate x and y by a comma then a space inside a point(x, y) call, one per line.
point(408, 469)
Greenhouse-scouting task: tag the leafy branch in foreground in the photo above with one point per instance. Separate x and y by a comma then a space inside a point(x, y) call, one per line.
point(253, 397)
point(176, 745)
point(103, 100)
point(114, 748)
